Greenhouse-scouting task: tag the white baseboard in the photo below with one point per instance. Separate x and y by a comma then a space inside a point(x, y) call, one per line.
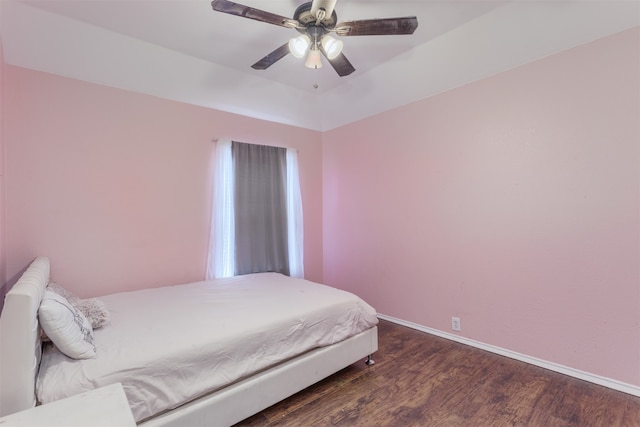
point(576, 373)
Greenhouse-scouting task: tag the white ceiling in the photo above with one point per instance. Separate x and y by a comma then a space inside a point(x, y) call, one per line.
point(182, 50)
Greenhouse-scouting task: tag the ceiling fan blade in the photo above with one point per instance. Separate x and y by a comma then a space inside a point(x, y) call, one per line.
point(272, 58)
point(340, 63)
point(377, 27)
point(236, 9)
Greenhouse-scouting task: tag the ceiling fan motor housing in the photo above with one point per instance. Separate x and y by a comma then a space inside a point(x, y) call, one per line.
point(314, 32)
point(323, 8)
point(304, 15)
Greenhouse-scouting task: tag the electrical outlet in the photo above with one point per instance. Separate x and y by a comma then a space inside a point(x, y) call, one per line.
point(455, 324)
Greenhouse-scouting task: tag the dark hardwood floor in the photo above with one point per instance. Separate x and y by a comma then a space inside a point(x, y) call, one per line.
point(424, 380)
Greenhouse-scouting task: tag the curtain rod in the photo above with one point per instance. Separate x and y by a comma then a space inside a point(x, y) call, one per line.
point(216, 140)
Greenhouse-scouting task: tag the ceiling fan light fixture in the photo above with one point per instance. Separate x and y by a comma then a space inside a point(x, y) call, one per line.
point(332, 46)
point(298, 45)
point(313, 59)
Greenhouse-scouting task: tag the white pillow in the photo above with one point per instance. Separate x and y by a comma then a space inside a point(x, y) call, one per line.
point(94, 309)
point(66, 326)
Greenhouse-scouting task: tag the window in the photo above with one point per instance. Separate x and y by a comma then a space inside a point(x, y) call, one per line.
point(257, 211)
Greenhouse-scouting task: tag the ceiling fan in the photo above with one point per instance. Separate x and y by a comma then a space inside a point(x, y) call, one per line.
point(314, 20)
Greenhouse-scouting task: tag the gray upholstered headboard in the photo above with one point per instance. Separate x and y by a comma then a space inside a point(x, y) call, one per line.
point(20, 349)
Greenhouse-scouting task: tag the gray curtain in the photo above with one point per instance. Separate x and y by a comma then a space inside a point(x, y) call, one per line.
point(261, 242)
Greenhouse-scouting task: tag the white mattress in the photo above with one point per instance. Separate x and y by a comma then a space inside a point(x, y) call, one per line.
point(170, 345)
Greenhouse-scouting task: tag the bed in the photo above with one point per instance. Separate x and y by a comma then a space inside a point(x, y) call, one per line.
point(226, 378)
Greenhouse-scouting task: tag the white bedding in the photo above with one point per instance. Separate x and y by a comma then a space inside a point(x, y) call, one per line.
point(170, 345)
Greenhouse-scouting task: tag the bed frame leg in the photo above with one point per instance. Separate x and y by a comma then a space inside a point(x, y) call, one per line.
point(369, 361)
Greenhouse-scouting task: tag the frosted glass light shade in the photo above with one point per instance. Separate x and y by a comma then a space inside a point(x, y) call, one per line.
point(332, 46)
point(313, 59)
point(298, 46)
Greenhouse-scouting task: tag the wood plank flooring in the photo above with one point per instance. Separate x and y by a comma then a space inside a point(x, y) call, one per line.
point(423, 380)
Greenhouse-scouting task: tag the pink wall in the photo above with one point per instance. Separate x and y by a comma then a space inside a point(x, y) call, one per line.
point(3, 258)
point(114, 187)
point(512, 202)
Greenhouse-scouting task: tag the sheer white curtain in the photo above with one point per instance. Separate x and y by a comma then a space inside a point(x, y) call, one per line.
point(221, 261)
point(221, 257)
point(294, 215)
